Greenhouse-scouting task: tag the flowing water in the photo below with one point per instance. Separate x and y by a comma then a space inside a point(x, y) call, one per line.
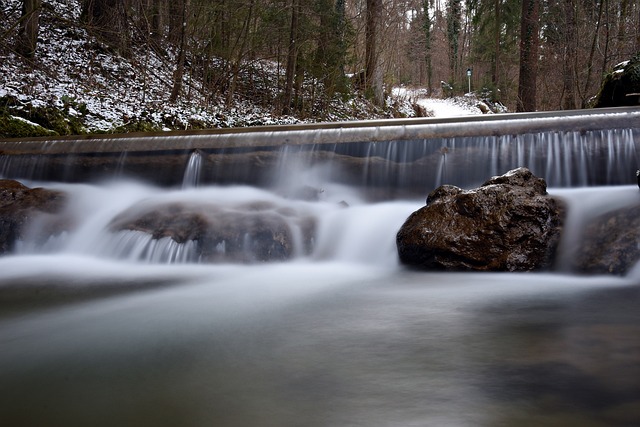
point(104, 328)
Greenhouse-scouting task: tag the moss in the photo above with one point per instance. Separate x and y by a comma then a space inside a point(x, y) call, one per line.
point(52, 120)
point(58, 120)
point(137, 126)
point(620, 82)
point(11, 127)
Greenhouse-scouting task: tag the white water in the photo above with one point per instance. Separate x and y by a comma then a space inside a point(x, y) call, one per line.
point(192, 171)
point(407, 166)
point(348, 229)
point(99, 328)
point(362, 232)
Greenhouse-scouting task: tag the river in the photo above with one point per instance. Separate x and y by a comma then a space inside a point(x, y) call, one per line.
point(344, 336)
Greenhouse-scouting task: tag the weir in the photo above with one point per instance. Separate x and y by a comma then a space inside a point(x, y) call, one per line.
point(392, 157)
point(181, 302)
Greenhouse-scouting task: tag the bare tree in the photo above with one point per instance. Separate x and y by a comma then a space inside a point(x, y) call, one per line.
point(454, 14)
point(373, 72)
point(570, 56)
point(178, 74)
point(427, 25)
point(29, 27)
point(109, 20)
point(292, 57)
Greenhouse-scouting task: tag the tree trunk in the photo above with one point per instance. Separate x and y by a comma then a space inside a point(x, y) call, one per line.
point(292, 57)
point(157, 20)
point(178, 74)
point(570, 57)
point(622, 17)
point(529, 27)
point(240, 52)
point(496, 43)
point(592, 52)
point(29, 27)
point(108, 19)
point(454, 11)
point(426, 25)
point(607, 35)
point(372, 72)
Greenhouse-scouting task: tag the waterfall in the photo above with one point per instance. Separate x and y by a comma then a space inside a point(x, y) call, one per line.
point(340, 232)
point(392, 160)
point(251, 278)
point(192, 171)
point(563, 159)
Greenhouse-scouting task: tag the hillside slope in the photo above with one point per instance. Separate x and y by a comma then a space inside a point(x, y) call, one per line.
point(76, 84)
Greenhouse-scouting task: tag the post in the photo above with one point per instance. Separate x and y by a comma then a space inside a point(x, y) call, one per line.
point(469, 78)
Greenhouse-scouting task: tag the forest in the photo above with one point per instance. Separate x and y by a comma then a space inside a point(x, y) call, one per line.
point(527, 54)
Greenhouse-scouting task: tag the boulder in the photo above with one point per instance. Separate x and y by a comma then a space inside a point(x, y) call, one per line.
point(610, 243)
point(251, 232)
point(507, 224)
point(19, 205)
point(621, 87)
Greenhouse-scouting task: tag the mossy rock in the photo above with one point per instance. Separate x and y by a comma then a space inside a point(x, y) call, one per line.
point(58, 120)
point(14, 127)
point(20, 120)
point(137, 126)
point(623, 80)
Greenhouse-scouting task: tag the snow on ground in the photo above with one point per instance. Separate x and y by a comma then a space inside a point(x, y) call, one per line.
point(82, 78)
point(78, 75)
point(450, 107)
point(438, 107)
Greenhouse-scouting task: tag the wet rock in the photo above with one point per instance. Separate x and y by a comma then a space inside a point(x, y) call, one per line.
point(19, 205)
point(507, 224)
point(610, 243)
point(253, 232)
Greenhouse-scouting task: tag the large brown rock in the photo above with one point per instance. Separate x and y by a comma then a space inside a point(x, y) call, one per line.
point(621, 86)
point(19, 205)
point(507, 224)
point(251, 232)
point(610, 243)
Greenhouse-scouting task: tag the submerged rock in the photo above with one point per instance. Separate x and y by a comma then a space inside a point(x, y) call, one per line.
point(19, 205)
point(610, 243)
point(252, 232)
point(507, 224)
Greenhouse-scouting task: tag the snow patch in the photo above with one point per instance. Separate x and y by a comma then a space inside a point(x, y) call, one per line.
point(450, 107)
point(25, 121)
point(77, 73)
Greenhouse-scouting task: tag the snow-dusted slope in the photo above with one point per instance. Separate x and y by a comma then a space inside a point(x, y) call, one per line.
point(76, 74)
point(93, 89)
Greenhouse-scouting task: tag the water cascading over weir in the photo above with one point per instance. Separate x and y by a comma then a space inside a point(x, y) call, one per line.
point(391, 157)
point(149, 290)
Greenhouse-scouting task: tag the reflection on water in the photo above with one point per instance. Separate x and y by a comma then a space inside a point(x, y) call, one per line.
point(314, 344)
